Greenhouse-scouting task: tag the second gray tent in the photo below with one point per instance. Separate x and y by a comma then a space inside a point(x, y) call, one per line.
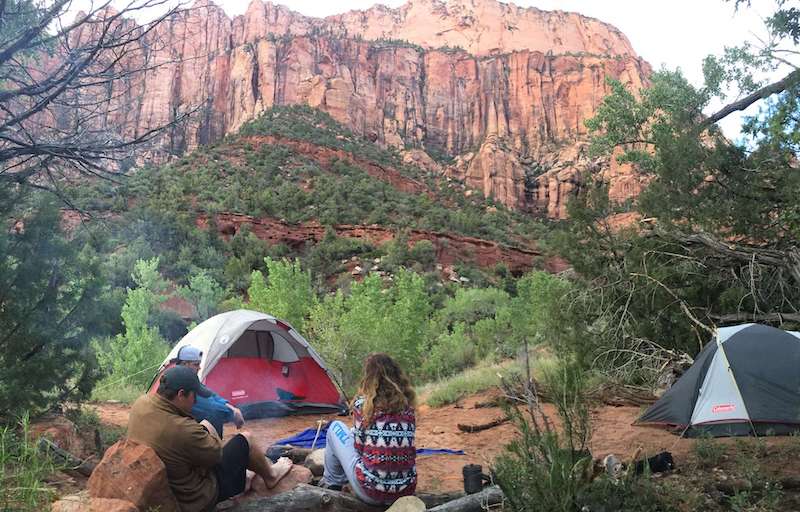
point(746, 382)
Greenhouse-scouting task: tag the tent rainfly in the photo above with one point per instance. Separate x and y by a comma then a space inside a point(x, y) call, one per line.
point(260, 364)
point(746, 382)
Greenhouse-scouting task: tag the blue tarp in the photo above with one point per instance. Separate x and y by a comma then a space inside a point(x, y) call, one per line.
point(305, 438)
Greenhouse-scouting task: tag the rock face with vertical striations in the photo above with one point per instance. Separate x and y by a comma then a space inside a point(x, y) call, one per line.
point(500, 82)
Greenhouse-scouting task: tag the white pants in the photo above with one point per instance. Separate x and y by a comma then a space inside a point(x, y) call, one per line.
point(341, 459)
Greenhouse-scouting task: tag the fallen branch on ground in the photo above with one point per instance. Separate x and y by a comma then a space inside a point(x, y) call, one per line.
point(309, 498)
point(84, 467)
point(483, 426)
point(478, 502)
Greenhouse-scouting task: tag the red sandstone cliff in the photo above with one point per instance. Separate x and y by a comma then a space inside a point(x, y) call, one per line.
point(524, 83)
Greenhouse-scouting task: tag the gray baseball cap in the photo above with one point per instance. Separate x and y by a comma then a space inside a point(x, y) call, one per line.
point(181, 377)
point(189, 353)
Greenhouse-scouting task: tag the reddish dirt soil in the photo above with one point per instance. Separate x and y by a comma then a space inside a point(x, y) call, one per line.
point(437, 428)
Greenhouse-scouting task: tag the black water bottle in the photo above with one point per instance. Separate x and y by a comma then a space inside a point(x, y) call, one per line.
point(473, 478)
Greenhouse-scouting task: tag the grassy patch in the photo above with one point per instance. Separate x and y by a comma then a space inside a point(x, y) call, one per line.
point(119, 392)
point(709, 452)
point(474, 380)
point(23, 470)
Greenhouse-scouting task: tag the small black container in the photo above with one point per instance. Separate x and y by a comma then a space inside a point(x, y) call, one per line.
point(474, 479)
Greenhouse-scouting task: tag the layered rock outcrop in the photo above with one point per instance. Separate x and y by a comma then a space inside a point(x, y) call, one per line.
point(452, 77)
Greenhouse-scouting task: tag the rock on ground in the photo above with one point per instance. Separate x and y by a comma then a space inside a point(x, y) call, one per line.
point(316, 462)
point(62, 432)
point(133, 472)
point(82, 502)
point(407, 504)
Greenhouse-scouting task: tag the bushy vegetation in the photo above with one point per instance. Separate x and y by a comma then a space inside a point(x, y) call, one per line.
point(49, 305)
point(130, 358)
point(23, 470)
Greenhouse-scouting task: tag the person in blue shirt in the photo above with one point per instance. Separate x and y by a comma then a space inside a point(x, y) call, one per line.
point(215, 409)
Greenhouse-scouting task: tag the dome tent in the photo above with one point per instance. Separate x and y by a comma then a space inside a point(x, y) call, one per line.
point(746, 382)
point(259, 364)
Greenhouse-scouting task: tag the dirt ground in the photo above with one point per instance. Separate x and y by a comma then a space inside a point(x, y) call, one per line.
point(438, 428)
point(695, 484)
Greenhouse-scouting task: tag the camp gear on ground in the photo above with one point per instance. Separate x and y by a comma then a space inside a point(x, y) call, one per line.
point(745, 382)
point(305, 438)
point(474, 479)
point(260, 364)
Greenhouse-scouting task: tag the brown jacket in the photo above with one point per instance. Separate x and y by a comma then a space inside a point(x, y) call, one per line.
point(186, 448)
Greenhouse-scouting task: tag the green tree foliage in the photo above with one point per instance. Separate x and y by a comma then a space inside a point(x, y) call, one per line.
point(470, 326)
point(49, 307)
point(372, 318)
point(545, 311)
point(204, 293)
point(285, 293)
point(133, 356)
point(719, 245)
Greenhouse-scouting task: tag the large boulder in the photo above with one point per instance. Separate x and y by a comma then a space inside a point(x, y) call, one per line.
point(133, 472)
point(82, 502)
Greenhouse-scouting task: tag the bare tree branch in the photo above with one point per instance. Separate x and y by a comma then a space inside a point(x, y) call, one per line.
point(66, 104)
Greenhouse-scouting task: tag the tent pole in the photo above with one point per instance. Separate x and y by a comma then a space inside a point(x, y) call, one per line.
point(736, 387)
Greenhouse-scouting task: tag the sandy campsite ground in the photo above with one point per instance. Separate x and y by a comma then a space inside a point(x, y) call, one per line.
point(438, 428)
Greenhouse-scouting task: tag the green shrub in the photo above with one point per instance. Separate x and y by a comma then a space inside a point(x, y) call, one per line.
point(372, 318)
point(546, 469)
point(709, 451)
point(50, 300)
point(119, 390)
point(451, 352)
point(628, 494)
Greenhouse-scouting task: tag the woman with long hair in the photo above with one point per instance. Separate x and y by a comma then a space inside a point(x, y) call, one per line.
point(377, 456)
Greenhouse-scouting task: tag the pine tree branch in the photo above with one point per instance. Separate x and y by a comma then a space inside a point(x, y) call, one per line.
point(765, 92)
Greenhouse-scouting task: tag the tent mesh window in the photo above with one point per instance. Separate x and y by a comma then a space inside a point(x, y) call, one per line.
point(253, 344)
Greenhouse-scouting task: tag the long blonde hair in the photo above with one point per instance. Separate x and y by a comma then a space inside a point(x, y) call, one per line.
point(385, 387)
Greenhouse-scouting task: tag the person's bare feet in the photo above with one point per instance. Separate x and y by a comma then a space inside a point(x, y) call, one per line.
point(279, 470)
point(248, 481)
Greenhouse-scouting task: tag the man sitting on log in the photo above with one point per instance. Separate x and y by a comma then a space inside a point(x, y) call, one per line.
point(201, 472)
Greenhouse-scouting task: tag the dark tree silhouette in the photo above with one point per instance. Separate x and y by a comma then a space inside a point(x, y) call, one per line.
point(66, 88)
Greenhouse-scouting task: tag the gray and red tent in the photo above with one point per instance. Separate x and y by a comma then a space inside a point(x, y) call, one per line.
point(260, 364)
point(745, 382)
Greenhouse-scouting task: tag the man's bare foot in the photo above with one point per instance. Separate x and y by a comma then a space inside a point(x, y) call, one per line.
point(279, 470)
point(248, 481)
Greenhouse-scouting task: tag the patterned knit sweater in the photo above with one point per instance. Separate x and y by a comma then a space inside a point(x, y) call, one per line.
point(387, 467)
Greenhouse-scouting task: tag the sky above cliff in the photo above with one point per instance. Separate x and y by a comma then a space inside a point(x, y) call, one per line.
point(679, 33)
